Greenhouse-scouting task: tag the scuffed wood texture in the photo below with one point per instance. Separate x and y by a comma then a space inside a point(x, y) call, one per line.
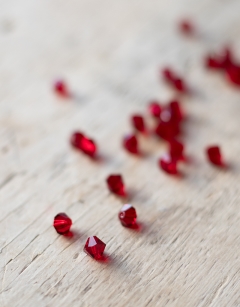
point(187, 252)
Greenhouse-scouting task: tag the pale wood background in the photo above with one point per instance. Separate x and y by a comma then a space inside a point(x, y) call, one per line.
point(109, 51)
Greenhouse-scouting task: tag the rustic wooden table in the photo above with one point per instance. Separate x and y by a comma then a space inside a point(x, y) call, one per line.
point(110, 52)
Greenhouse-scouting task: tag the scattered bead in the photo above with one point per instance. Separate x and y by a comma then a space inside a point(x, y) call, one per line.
point(155, 109)
point(61, 89)
point(167, 130)
point(116, 185)
point(186, 27)
point(94, 247)
point(62, 223)
point(214, 155)
point(175, 81)
point(168, 165)
point(84, 144)
point(233, 74)
point(130, 143)
point(128, 216)
point(176, 112)
point(138, 123)
point(176, 150)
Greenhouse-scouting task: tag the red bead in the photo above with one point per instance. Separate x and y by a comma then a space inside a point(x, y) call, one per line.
point(168, 75)
point(81, 142)
point(222, 61)
point(62, 223)
point(168, 165)
point(186, 27)
point(179, 85)
point(138, 123)
point(130, 143)
point(61, 89)
point(214, 155)
point(167, 130)
point(213, 63)
point(116, 185)
point(176, 112)
point(94, 247)
point(155, 109)
point(176, 82)
point(176, 150)
point(233, 74)
point(128, 216)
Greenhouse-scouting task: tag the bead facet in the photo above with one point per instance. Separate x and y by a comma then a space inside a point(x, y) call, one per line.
point(94, 247)
point(138, 123)
point(84, 144)
point(116, 185)
point(214, 155)
point(168, 165)
point(62, 223)
point(128, 216)
point(130, 143)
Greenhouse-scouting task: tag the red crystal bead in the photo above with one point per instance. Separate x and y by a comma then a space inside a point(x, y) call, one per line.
point(174, 80)
point(168, 75)
point(186, 27)
point(179, 85)
point(168, 165)
point(94, 247)
point(116, 185)
point(81, 142)
point(128, 216)
point(176, 112)
point(155, 109)
point(233, 74)
point(61, 89)
point(214, 155)
point(167, 130)
point(213, 63)
point(62, 223)
point(138, 123)
point(130, 143)
point(222, 61)
point(176, 150)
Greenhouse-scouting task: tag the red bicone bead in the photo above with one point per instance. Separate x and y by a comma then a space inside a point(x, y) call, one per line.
point(155, 109)
point(168, 75)
point(116, 185)
point(130, 143)
point(233, 74)
point(61, 89)
point(94, 247)
point(176, 150)
point(138, 123)
point(62, 223)
point(179, 85)
point(167, 130)
point(168, 165)
point(128, 216)
point(214, 155)
point(81, 142)
point(174, 80)
point(176, 112)
point(186, 27)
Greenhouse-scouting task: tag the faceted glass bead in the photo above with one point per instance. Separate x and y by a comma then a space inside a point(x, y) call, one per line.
point(138, 123)
point(176, 150)
point(130, 143)
point(86, 145)
point(168, 165)
point(155, 109)
point(94, 247)
point(61, 89)
point(179, 85)
point(62, 223)
point(128, 216)
point(233, 74)
point(176, 112)
point(116, 185)
point(214, 155)
point(167, 130)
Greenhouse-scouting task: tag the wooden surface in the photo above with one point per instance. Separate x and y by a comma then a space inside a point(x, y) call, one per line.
point(109, 52)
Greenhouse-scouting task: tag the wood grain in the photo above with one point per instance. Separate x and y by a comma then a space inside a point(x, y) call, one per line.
point(109, 52)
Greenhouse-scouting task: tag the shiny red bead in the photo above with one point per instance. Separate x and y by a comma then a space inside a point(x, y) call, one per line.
point(186, 27)
point(130, 143)
point(138, 123)
point(116, 185)
point(176, 112)
point(155, 109)
point(94, 247)
point(179, 85)
point(62, 223)
point(176, 149)
point(214, 155)
point(61, 89)
point(128, 216)
point(233, 74)
point(84, 144)
point(168, 165)
point(220, 62)
point(174, 80)
point(167, 130)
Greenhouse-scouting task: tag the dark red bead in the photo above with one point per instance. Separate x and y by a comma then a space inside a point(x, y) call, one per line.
point(116, 185)
point(176, 82)
point(222, 61)
point(138, 123)
point(176, 112)
point(213, 63)
point(233, 74)
point(167, 130)
point(84, 144)
point(130, 143)
point(176, 150)
point(94, 247)
point(168, 165)
point(155, 109)
point(128, 216)
point(62, 223)
point(214, 155)
point(179, 85)
point(61, 89)
point(168, 75)
point(186, 27)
